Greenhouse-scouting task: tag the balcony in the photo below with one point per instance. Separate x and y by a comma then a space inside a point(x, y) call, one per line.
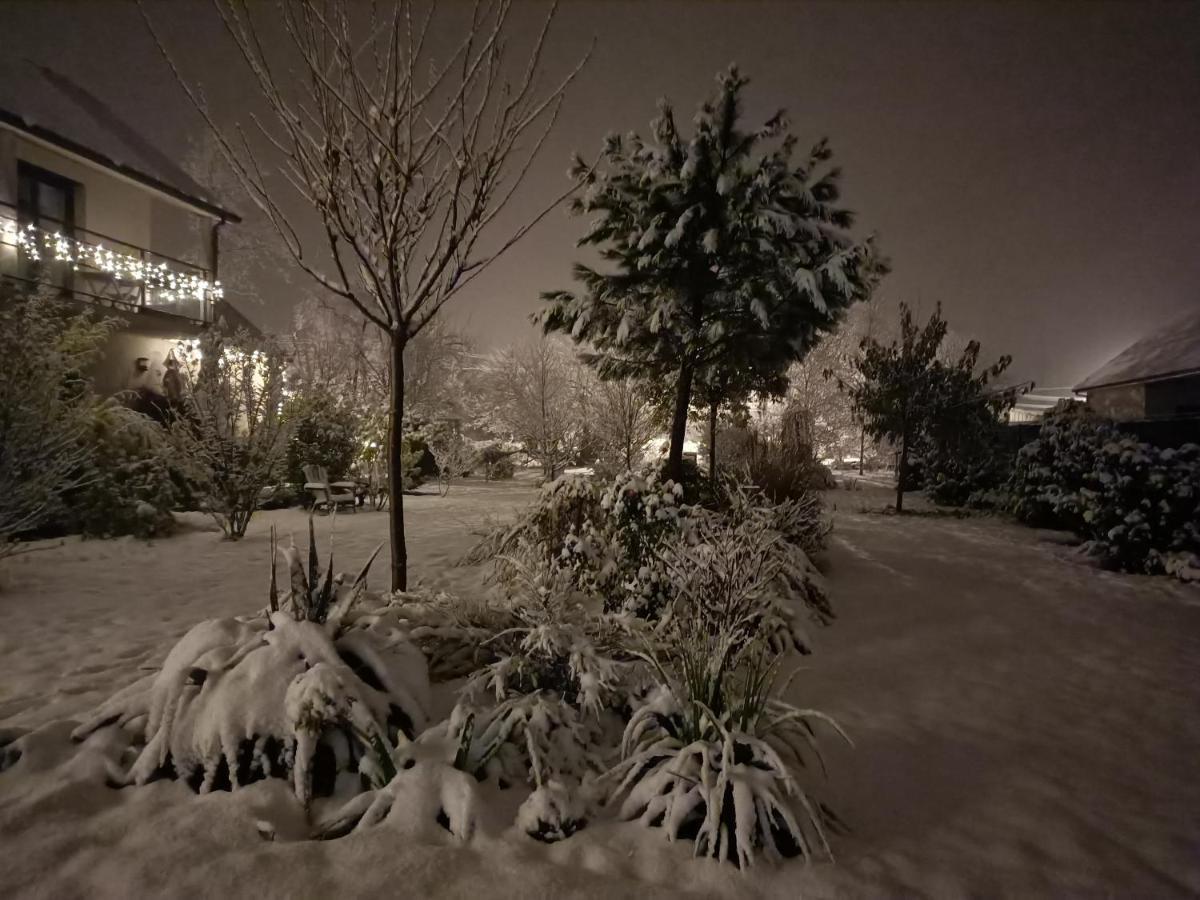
point(102, 269)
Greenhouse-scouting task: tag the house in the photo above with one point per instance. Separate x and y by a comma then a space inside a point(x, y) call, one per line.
point(1155, 378)
point(92, 209)
point(1032, 405)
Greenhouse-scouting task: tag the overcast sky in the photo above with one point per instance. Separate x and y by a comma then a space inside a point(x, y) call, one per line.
point(1036, 168)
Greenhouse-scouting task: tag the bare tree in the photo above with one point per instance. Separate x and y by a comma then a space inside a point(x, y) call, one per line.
point(530, 394)
point(625, 416)
point(407, 156)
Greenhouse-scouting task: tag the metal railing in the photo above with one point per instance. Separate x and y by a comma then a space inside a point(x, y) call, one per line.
point(102, 269)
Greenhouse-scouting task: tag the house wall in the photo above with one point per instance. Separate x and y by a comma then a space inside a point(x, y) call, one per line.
point(1122, 403)
point(1173, 397)
point(125, 211)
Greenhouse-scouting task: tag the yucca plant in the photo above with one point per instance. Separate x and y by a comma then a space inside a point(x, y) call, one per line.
point(322, 682)
point(712, 756)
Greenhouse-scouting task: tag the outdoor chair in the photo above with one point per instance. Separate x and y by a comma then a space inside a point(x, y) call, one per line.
point(329, 496)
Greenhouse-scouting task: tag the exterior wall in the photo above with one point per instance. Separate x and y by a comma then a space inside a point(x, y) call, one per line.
point(1122, 403)
point(1173, 397)
point(126, 213)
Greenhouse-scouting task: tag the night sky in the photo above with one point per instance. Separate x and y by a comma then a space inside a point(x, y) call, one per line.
point(1034, 168)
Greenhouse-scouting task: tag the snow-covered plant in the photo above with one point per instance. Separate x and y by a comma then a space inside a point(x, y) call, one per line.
point(134, 484)
point(1051, 471)
point(749, 564)
point(713, 755)
point(322, 684)
point(606, 537)
point(46, 405)
point(536, 712)
point(232, 434)
point(724, 250)
point(455, 633)
point(1143, 514)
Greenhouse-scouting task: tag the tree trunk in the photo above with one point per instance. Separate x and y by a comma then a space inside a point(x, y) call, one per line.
point(901, 473)
point(712, 444)
point(396, 468)
point(683, 397)
point(862, 449)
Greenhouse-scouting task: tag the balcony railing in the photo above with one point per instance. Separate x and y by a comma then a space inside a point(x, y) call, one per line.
point(103, 269)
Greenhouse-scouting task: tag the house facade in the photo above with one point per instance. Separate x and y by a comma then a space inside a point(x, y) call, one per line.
point(1157, 378)
point(91, 210)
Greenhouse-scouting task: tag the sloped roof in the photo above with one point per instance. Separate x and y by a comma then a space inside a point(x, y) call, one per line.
point(1170, 351)
point(48, 105)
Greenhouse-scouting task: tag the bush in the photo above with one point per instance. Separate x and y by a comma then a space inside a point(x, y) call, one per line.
point(1143, 514)
point(230, 435)
point(46, 409)
point(1050, 472)
point(133, 486)
point(1136, 505)
point(972, 477)
point(497, 463)
point(323, 433)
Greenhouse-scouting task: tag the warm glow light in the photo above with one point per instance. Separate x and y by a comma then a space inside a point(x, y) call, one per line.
point(169, 285)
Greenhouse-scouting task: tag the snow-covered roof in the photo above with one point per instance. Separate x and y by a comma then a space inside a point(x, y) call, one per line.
point(49, 106)
point(1171, 351)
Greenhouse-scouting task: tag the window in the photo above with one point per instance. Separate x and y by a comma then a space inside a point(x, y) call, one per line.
point(46, 201)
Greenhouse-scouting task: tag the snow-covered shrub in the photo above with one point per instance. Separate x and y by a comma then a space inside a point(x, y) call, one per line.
point(537, 711)
point(750, 565)
point(323, 683)
point(1143, 514)
point(712, 755)
point(231, 434)
point(322, 433)
point(605, 536)
point(970, 473)
point(455, 633)
point(46, 406)
point(1051, 471)
point(133, 485)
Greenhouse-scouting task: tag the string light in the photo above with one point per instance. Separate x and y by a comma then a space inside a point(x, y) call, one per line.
point(169, 285)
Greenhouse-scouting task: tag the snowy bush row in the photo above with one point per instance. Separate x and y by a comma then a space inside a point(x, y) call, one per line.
point(1138, 506)
point(628, 665)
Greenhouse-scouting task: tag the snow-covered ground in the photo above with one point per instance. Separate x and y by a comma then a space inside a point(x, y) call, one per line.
point(1024, 725)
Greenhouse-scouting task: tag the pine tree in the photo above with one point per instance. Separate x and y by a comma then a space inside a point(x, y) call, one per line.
point(719, 252)
point(906, 392)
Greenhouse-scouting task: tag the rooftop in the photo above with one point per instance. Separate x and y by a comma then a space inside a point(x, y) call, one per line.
point(47, 105)
point(1170, 351)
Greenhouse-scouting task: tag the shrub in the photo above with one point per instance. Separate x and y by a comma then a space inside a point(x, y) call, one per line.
point(1143, 515)
point(133, 486)
point(322, 433)
point(231, 435)
point(46, 409)
point(497, 463)
point(1050, 472)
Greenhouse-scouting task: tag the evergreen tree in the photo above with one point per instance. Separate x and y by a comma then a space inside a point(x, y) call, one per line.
point(719, 252)
point(907, 394)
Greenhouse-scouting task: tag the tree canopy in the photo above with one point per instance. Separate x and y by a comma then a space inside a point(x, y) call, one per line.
point(722, 251)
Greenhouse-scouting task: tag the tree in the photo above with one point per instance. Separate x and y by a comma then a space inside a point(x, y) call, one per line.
point(905, 392)
point(623, 413)
point(529, 394)
point(408, 155)
point(231, 436)
point(718, 253)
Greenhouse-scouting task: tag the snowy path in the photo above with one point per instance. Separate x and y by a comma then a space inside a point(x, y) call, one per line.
point(1025, 726)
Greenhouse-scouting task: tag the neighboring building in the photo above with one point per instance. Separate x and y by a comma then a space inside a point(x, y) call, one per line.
point(88, 206)
point(1035, 403)
point(1156, 378)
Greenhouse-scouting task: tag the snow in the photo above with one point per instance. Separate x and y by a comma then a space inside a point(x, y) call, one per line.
point(1024, 724)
